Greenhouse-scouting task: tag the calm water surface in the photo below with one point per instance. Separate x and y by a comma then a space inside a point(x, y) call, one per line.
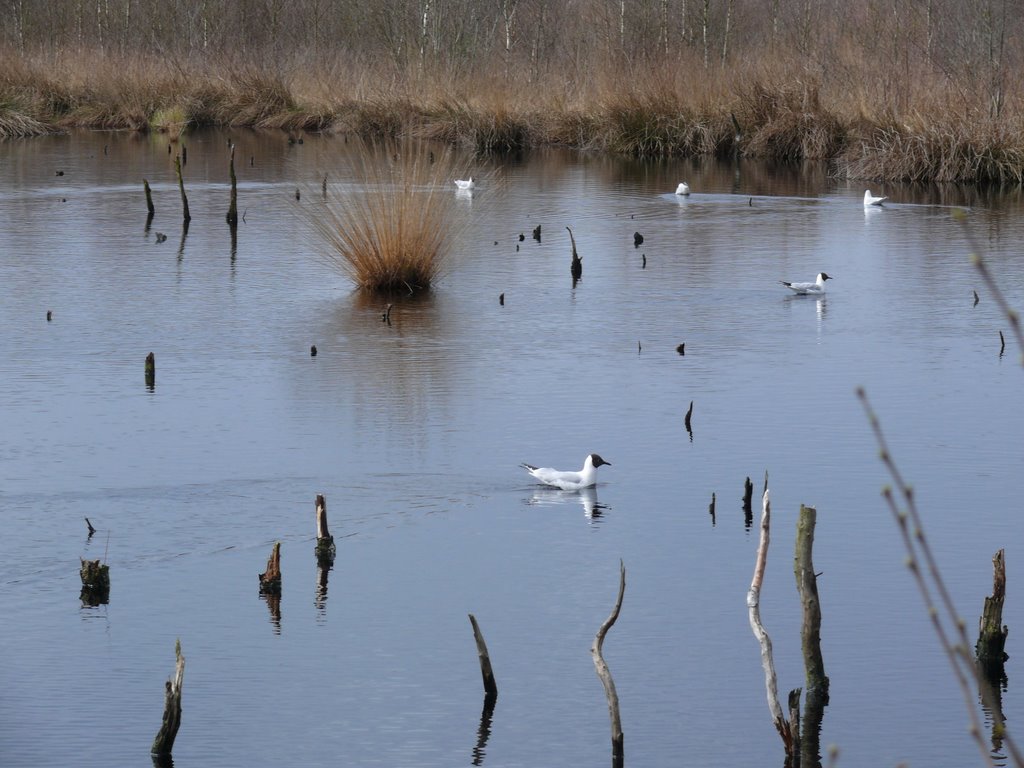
point(414, 433)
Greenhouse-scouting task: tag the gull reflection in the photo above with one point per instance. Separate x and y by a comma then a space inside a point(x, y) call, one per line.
point(870, 211)
point(587, 497)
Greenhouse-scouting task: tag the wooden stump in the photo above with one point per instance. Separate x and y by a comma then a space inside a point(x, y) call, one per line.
point(989, 650)
point(807, 587)
point(576, 267)
point(186, 216)
point(232, 214)
point(490, 686)
point(95, 582)
point(164, 740)
point(270, 580)
point(149, 197)
point(325, 549)
point(151, 370)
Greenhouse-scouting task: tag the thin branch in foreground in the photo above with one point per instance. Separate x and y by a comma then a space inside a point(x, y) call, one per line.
point(929, 581)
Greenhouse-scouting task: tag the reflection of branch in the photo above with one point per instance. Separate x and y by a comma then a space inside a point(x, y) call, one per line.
point(606, 676)
point(954, 641)
point(753, 603)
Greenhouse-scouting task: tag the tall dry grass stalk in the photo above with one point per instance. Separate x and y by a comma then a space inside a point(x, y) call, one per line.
point(390, 226)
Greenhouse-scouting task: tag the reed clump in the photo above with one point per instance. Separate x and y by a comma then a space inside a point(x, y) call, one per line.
point(959, 151)
point(391, 231)
point(484, 129)
point(786, 121)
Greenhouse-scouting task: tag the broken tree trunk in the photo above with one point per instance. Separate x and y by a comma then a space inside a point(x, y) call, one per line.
point(181, 186)
point(807, 587)
point(164, 740)
point(95, 582)
point(325, 549)
point(989, 650)
point(790, 737)
point(149, 197)
point(232, 215)
point(810, 636)
point(576, 267)
point(490, 686)
point(606, 676)
point(270, 580)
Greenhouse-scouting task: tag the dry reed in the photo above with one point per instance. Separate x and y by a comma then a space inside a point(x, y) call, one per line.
point(392, 229)
point(655, 108)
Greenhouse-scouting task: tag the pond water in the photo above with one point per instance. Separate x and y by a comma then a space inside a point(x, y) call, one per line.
point(414, 432)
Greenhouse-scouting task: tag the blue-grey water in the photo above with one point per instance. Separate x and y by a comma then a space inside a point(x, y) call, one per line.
point(414, 431)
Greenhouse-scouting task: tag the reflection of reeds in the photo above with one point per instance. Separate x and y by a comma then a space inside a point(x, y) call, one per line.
point(392, 230)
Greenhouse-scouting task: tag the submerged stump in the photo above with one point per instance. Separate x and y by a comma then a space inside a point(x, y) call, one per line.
point(486, 672)
point(270, 580)
point(95, 582)
point(164, 741)
point(150, 370)
point(576, 267)
point(325, 549)
point(149, 197)
point(990, 648)
point(186, 216)
point(232, 214)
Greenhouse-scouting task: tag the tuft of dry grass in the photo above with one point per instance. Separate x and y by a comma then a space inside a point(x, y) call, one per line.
point(391, 230)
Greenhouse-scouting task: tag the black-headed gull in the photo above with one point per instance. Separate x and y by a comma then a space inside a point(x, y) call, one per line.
point(683, 188)
point(569, 481)
point(870, 199)
point(817, 287)
point(465, 183)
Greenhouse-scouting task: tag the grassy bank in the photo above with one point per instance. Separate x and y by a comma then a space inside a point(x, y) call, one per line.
point(671, 107)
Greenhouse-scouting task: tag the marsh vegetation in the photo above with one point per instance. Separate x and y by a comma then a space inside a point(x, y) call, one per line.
point(391, 231)
point(907, 90)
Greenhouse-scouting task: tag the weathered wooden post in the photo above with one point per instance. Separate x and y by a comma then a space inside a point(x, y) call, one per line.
point(95, 576)
point(618, 752)
point(576, 267)
point(164, 740)
point(181, 186)
point(325, 549)
point(232, 214)
point(270, 580)
point(990, 648)
point(490, 686)
point(150, 371)
point(149, 197)
point(807, 587)
point(711, 508)
point(810, 637)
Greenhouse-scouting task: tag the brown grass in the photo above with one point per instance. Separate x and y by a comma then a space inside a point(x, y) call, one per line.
point(392, 230)
point(936, 130)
